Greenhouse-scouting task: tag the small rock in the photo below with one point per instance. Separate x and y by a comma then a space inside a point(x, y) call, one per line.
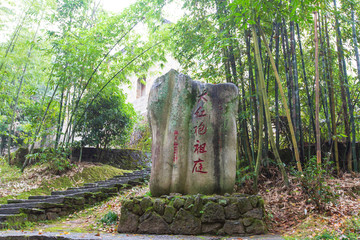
point(247, 221)
point(255, 213)
point(178, 203)
point(257, 227)
point(51, 215)
point(129, 204)
point(169, 214)
point(232, 212)
point(189, 203)
point(254, 200)
point(145, 203)
point(223, 201)
point(213, 212)
point(128, 221)
point(198, 205)
point(233, 227)
point(210, 228)
point(244, 205)
point(137, 209)
point(146, 215)
point(159, 206)
point(185, 223)
point(154, 224)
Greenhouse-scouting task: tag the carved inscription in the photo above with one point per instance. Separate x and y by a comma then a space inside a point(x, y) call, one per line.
point(200, 129)
point(176, 150)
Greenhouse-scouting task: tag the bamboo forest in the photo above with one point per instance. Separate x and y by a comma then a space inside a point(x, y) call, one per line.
point(65, 65)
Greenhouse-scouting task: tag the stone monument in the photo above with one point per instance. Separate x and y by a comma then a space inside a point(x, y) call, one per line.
point(194, 136)
point(193, 155)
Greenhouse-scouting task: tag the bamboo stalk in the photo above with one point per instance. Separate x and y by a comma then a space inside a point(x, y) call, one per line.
point(317, 94)
point(262, 91)
point(287, 111)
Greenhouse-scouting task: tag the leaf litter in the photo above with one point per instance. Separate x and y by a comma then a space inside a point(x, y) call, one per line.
point(290, 212)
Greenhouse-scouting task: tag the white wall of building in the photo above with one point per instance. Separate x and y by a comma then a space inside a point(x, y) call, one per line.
point(140, 102)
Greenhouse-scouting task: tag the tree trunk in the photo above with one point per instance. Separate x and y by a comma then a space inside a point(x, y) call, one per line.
point(19, 90)
point(324, 94)
point(345, 89)
point(297, 107)
point(288, 67)
point(277, 122)
point(332, 98)
point(253, 102)
point(356, 167)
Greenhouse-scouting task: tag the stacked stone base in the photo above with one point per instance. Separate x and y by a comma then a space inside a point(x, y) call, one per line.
point(197, 214)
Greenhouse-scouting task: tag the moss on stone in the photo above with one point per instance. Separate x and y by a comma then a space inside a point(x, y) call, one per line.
point(179, 202)
point(169, 214)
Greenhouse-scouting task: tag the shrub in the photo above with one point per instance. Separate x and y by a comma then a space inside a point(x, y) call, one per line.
point(57, 159)
point(109, 218)
point(313, 181)
point(108, 121)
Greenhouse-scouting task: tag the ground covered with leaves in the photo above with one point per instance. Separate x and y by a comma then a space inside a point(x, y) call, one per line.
point(296, 212)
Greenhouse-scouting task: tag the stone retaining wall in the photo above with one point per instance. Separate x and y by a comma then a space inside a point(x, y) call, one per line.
point(193, 214)
point(120, 158)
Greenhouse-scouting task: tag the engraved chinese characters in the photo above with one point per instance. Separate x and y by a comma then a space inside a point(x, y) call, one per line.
point(194, 136)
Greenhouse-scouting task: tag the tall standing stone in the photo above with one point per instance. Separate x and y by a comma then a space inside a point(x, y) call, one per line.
point(194, 136)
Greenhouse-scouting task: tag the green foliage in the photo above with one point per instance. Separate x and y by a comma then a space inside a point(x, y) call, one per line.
point(108, 121)
point(148, 194)
point(110, 218)
point(350, 230)
point(313, 181)
point(57, 159)
point(18, 221)
point(7, 172)
point(325, 235)
point(243, 174)
point(141, 137)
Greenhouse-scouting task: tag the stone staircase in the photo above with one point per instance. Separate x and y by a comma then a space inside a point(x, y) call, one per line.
point(61, 203)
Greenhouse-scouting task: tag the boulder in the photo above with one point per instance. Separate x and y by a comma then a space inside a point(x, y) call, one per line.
point(128, 221)
point(194, 136)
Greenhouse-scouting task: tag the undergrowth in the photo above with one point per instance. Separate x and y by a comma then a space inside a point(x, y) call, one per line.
point(8, 172)
point(349, 230)
point(313, 181)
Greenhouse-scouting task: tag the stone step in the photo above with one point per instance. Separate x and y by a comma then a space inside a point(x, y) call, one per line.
point(47, 200)
point(106, 185)
point(42, 197)
point(21, 205)
point(4, 217)
point(67, 192)
point(10, 210)
point(41, 202)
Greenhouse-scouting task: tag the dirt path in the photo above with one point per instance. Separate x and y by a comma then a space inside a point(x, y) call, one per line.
point(27, 235)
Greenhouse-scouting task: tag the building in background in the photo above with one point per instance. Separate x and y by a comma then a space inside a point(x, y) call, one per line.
point(139, 89)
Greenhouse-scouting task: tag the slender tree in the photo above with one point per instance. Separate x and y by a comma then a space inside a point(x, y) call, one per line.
point(317, 93)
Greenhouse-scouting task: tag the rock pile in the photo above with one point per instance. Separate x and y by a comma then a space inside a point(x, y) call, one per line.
point(193, 214)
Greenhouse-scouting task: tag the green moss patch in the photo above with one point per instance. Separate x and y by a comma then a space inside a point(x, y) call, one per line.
point(87, 175)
